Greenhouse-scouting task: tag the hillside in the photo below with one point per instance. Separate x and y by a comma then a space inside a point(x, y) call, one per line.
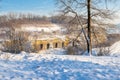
point(37, 25)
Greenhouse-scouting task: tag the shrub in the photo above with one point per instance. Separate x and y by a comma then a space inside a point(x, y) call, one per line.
point(103, 51)
point(16, 42)
point(74, 50)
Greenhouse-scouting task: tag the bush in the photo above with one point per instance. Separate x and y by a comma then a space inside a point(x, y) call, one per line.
point(76, 50)
point(16, 42)
point(103, 51)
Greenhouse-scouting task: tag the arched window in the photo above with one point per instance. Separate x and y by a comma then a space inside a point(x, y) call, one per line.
point(63, 44)
point(48, 46)
point(56, 45)
point(41, 46)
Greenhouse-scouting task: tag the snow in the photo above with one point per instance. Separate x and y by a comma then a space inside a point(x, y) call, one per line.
point(51, 37)
point(47, 66)
point(45, 28)
point(114, 30)
point(115, 49)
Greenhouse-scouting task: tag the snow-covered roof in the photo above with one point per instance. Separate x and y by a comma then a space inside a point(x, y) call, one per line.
point(46, 37)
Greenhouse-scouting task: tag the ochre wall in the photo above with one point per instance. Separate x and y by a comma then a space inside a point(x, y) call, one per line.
point(37, 43)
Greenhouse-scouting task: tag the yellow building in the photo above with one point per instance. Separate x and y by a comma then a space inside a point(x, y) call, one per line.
point(49, 43)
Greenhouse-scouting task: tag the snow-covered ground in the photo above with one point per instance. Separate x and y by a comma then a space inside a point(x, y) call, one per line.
point(55, 65)
point(34, 66)
point(115, 49)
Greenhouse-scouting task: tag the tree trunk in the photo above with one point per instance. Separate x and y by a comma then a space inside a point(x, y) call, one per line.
point(89, 45)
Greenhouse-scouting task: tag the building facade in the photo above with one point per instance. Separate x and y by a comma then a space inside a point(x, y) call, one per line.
point(45, 44)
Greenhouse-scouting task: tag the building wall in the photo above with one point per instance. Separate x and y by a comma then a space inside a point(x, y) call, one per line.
point(47, 44)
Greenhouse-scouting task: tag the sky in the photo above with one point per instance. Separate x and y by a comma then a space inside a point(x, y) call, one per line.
point(41, 7)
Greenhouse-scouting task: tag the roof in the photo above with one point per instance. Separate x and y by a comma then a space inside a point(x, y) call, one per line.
point(46, 37)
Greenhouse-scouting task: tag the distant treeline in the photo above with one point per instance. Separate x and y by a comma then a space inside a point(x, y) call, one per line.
point(12, 18)
point(15, 18)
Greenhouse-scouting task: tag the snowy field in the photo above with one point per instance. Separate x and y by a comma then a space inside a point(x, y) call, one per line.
point(33, 66)
point(55, 65)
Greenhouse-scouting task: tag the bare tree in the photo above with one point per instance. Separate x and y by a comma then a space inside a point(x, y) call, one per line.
point(16, 41)
point(89, 27)
point(86, 13)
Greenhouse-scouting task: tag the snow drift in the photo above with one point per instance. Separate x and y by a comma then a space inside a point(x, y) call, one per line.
point(115, 49)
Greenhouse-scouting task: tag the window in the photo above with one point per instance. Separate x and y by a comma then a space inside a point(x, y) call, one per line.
point(41, 46)
point(48, 46)
point(62, 44)
point(56, 45)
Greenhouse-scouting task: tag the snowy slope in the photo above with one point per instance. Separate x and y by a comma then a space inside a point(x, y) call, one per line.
point(45, 28)
point(32, 66)
point(115, 49)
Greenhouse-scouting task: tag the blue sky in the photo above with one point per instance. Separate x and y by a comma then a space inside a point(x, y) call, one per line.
point(41, 7)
